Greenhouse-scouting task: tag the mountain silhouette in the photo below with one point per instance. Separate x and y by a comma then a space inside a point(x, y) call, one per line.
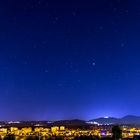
point(129, 119)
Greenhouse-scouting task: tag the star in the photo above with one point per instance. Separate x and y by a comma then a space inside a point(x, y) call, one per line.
point(78, 80)
point(116, 31)
point(122, 44)
point(74, 14)
point(55, 19)
point(93, 64)
point(91, 61)
point(126, 11)
point(100, 27)
point(46, 71)
point(25, 62)
point(39, 2)
point(76, 70)
point(60, 85)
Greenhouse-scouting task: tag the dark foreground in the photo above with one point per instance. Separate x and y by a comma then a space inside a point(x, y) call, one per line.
point(12, 137)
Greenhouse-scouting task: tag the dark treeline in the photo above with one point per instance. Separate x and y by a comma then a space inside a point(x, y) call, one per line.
point(12, 137)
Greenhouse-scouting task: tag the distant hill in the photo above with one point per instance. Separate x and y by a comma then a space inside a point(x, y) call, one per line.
point(70, 122)
point(75, 123)
point(109, 120)
point(129, 119)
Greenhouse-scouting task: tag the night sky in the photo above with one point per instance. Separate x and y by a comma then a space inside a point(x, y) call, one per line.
point(67, 59)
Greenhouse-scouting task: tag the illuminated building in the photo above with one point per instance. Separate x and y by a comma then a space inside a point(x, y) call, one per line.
point(54, 129)
point(62, 128)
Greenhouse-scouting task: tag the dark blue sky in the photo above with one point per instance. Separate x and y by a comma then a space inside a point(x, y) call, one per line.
point(66, 59)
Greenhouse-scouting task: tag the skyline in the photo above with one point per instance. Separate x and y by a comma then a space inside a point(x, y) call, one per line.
point(71, 59)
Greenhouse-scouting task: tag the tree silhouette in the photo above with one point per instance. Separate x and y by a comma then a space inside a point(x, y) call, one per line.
point(84, 138)
point(136, 137)
point(117, 132)
point(9, 137)
point(58, 138)
point(32, 138)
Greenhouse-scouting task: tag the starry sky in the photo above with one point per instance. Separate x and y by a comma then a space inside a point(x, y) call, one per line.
point(67, 59)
